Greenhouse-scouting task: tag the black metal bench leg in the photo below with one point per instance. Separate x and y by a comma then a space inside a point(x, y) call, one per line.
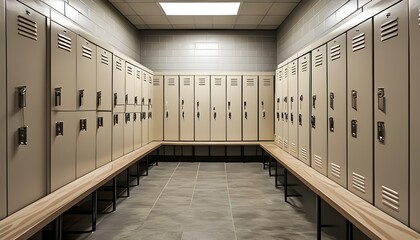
point(349, 229)
point(276, 183)
point(94, 209)
point(318, 217)
point(147, 165)
point(285, 185)
point(157, 157)
point(138, 172)
point(114, 194)
point(263, 158)
point(58, 228)
point(242, 154)
point(128, 182)
point(270, 161)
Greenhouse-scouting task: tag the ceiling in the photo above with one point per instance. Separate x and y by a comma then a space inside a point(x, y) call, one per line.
point(253, 14)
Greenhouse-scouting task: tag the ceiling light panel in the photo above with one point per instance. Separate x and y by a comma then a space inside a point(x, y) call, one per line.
point(200, 8)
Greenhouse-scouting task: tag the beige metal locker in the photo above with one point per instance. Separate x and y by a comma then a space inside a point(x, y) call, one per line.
point(129, 87)
point(137, 130)
point(128, 133)
point(103, 79)
point(171, 108)
point(3, 116)
point(391, 106)
point(157, 108)
point(250, 108)
point(359, 110)
point(137, 89)
point(85, 140)
point(279, 102)
point(202, 108)
point(234, 108)
point(337, 110)
point(63, 68)
point(304, 108)
point(266, 108)
point(186, 108)
point(292, 101)
point(103, 138)
point(277, 89)
point(319, 148)
point(285, 106)
point(118, 83)
point(150, 110)
point(218, 108)
point(26, 106)
point(145, 88)
point(414, 116)
point(117, 135)
point(145, 109)
point(63, 149)
point(86, 75)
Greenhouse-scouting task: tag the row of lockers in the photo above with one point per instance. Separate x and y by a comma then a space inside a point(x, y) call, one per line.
point(218, 108)
point(344, 109)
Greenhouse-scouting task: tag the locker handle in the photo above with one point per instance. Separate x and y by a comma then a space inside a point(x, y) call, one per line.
point(115, 99)
point(127, 117)
point(331, 121)
point(246, 115)
point(354, 128)
point(313, 121)
point(282, 116)
point(286, 117)
point(285, 99)
point(301, 98)
point(100, 122)
point(198, 105)
point(381, 132)
point(99, 98)
point(116, 119)
point(230, 115)
point(354, 99)
point(291, 118)
point(134, 117)
point(331, 100)
point(182, 103)
point(126, 98)
point(59, 128)
point(22, 96)
point(57, 94)
point(263, 114)
point(149, 115)
point(167, 114)
point(278, 116)
point(198, 114)
point(23, 135)
point(300, 119)
point(244, 104)
point(83, 124)
point(292, 99)
point(313, 101)
point(278, 100)
point(214, 115)
point(183, 114)
point(381, 99)
point(142, 101)
point(228, 105)
point(136, 100)
point(81, 97)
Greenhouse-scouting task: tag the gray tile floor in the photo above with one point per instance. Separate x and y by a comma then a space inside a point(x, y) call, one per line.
point(203, 201)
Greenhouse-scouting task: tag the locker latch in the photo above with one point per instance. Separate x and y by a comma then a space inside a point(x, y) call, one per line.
point(301, 98)
point(278, 100)
point(81, 97)
point(292, 99)
point(57, 96)
point(134, 117)
point(149, 102)
point(150, 115)
point(127, 117)
point(331, 100)
point(183, 114)
point(229, 105)
point(59, 128)
point(142, 101)
point(115, 99)
point(282, 116)
point(135, 100)
point(313, 121)
point(167, 114)
point(144, 115)
point(331, 120)
point(100, 122)
point(115, 119)
point(99, 98)
point(381, 99)
point(230, 115)
point(313, 100)
point(182, 104)
point(354, 99)
point(126, 98)
point(22, 96)
point(23, 135)
point(278, 116)
point(291, 118)
point(83, 124)
point(300, 119)
point(198, 105)
point(246, 115)
point(354, 128)
point(381, 132)
point(244, 104)
point(198, 114)
point(286, 117)
point(214, 115)
point(285, 99)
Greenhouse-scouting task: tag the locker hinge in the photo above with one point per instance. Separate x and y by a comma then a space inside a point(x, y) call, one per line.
point(59, 128)
point(23, 135)
point(22, 96)
point(381, 99)
point(354, 99)
point(354, 128)
point(331, 120)
point(99, 98)
point(331, 100)
point(83, 124)
point(81, 97)
point(381, 132)
point(313, 121)
point(57, 96)
point(100, 122)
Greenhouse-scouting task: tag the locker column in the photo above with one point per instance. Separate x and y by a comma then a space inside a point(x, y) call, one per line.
point(292, 108)
point(279, 102)
point(202, 108)
point(266, 109)
point(118, 81)
point(145, 108)
point(171, 108)
point(186, 108)
point(303, 105)
point(157, 108)
point(3, 116)
point(285, 114)
point(137, 117)
point(150, 109)
point(234, 109)
point(129, 108)
point(218, 108)
point(250, 108)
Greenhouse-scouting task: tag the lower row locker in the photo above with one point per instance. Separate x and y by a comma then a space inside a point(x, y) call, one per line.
point(218, 108)
point(103, 138)
point(250, 108)
point(85, 139)
point(277, 107)
point(266, 108)
point(3, 116)
point(128, 133)
point(26, 106)
point(202, 108)
point(137, 141)
point(279, 102)
point(145, 126)
point(292, 86)
point(304, 101)
point(117, 135)
point(157, 109)
point(285, 107)
point(234, 109)
point(150, 111)
point(171, 109)
point(186, 108)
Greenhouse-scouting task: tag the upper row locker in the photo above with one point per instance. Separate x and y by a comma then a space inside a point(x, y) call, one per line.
point(250, 108)
point(171, 108)
point(157, 109)
point(202, 108)
point(118, 76)
point(304, 130)
point(234, 110)
point(266, 109)
point(103, 79)
point(129, 87)
point(279, 103)
point(285, 107)
point(137, 89)
point(292, 100)
point(218, 108)
point(186, 98)
point(277, 107)
point(86, 74)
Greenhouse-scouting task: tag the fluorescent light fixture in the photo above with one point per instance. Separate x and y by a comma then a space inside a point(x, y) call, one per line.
point(200, 8)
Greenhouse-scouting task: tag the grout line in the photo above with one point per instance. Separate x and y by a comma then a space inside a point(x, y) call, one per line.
point(195, 184)
point(230, 203)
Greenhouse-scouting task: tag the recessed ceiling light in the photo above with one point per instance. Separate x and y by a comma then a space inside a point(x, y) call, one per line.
point(200, 8)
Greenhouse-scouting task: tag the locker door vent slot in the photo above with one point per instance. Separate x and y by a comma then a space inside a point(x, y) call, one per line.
point(156, 82)
point(285, 73)
point(138, 74)
point(358, 182)
point(202, 81)
point(150, 79)
point(390, 198)
point(86, 52)
point(234, 82)
point(389, 29)
point(64, 42)
point(250, 82)
point(304, 153)
point(318, 60)
point(118, 65)
point(144, 77)
point(358, 42)
point(187, 81)
point(218, 82)
point(293, 148)
point(171, 82)
point(129, 70)
point(335, 170)
point(419, 16)
point(27, 28)
point(267, 82)
point(318, 161)
point(104, 59)
point(335, 52)
point(294, 71)
point(285, 144)
point(304, 66)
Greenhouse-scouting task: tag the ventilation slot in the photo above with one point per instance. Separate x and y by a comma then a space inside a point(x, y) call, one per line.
point(389, 29)
point(335, 170)
point(234, 82)
point(267, 82)
point(359, 182)
point(104, 59)
point(293, 70)
point(304, 153)
point(171, 82)
point(118, 65)
point(129, 70)
point(138, 74)
point(285, 73)
point(250, 82)
point(156, 82)
point(305, 66)
point(358, 42)
point(86, 52)
point(335, 52)
point(286, 144)
point(202, 81)
point(144, 77)
point(187, 81)
point(318, 60)
point(280, 74)
point(390, 198)
point(419, 17)
point(293, 148)
point(64, 42)
point(218, 82)
point(150, 79)
point(318, 161)
point(27, 28)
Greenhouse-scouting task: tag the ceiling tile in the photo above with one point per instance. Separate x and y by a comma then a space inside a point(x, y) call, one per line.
point(223, 26)
point(136, 20)
point(183, 26)
point(142, 26)
point(147, 8)
point(160, 26)
point(272, 20)
point(268, 27)
point(254, 8)
point(124, 8)
point(238, 26)
point(181, 19)
point(249, 20)
point(155, 20)
point(203, 26)
point(281, 8)
point(208, 20)
point(224, 20)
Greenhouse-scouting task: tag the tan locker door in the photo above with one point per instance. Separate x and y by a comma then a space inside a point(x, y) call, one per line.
point(63, 148)
point(86, 75)
point(137, 130)
point(128, 133)
point(280, 105)
point(250, 108)
point(359, 110)
point(129, 87)
point(414, 116)
point(103, 79)
point(285, 105)
point(137, 89)
point(144, 88)
point(202, 108)
point(3, 116)
point(150, 111)
point(292, 107)
point(118, 83)
point(157, 109)
point(266, 108)
point(337, 110)
point(304, 108)
point(171, 108)
point(277, 107)
point(234, 108)
point(103, 138)
point(391, 168)
point(218, 108)
point(117, 135)
point(145, 109)
point(63, 68)
point(26, 77)
point(186, 108)
point(319, 149)
point(86, 138)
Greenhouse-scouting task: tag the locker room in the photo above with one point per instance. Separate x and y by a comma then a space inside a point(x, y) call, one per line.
point(249, 119)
